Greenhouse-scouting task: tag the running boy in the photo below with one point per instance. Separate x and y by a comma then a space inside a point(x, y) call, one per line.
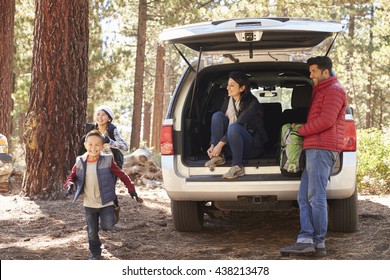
point(94, 176)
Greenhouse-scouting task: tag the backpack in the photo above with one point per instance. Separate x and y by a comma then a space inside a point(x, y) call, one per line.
point(292, 158)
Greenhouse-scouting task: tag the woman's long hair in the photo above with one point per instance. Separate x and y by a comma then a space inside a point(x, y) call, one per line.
point(242, 80)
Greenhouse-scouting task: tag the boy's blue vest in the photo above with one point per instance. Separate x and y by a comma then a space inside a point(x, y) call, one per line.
point(105, 177)
point(118, 156)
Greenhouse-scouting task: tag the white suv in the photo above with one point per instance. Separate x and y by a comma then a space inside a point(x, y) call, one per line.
point(273, 53)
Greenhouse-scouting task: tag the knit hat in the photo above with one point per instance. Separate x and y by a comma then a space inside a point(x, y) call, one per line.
point(106, 109)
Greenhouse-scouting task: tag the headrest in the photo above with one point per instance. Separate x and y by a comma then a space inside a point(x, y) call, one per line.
point(301, 96)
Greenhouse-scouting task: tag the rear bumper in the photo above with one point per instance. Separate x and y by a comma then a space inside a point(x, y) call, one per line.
point(203, 186)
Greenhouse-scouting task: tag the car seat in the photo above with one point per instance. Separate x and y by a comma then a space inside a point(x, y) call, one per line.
point(300, 102)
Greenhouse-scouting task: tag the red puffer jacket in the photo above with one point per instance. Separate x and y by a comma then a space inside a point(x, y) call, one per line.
point(326, 119)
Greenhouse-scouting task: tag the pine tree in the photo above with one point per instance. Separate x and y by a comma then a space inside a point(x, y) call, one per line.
point(58, 95)
point(7, 14)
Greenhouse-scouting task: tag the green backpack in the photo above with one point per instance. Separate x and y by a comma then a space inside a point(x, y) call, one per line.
point(292, 159)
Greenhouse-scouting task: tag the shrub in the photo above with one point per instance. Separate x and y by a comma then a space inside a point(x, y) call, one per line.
point(373, 157)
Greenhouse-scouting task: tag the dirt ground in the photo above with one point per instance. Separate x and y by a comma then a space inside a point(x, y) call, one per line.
point(55, 230)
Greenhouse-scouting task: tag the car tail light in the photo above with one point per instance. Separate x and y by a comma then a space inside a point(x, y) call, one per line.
point(350, 136)
point(166, 140)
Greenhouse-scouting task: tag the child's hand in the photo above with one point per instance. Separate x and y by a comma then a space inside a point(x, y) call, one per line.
point(69, 189)
point(134, 196)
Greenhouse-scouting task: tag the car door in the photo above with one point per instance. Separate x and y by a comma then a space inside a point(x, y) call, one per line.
point(254, 36)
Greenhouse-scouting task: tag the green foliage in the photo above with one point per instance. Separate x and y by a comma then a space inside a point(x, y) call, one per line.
point(361, 54)
point(108, 59)
point(362, 60)
point(373, 175)
point(24, 24)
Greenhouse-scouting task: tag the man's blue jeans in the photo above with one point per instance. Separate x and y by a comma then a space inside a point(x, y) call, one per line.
point(107, 220)
point(312, 196)
point(240, 143)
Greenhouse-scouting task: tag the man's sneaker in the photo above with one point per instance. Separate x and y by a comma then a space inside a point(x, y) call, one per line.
point(320, 252)
point(234, 172)
point(214, 161)
point(298, 249)
point(116, 212)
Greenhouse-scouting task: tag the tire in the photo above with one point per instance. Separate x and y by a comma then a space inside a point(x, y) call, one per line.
point(187, 215)
point(343, 214)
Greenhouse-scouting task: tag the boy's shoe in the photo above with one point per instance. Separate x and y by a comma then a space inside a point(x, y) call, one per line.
point(116, 212)
point(214, 161)
point(298, 249)
point(234, 172)
point(320, 252)
point(95, 257)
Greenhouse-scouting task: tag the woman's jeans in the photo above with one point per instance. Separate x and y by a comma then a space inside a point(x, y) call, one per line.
point(312, 196)
point(107, 220)
point(240, 142)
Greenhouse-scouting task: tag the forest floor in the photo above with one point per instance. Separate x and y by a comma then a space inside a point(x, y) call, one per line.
point(55, 230)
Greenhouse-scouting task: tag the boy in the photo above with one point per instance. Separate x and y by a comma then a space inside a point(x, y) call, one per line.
point(94, 175)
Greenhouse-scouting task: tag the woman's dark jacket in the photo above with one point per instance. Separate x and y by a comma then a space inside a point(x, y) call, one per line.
point(250, 115)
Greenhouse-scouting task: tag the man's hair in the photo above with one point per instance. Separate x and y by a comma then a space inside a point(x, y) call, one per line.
point(323, 62)
point(94, 132)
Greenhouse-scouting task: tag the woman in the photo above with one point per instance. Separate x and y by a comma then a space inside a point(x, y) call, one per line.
point(237, 128)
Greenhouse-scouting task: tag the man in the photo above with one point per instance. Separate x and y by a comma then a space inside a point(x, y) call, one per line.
point(323, 141)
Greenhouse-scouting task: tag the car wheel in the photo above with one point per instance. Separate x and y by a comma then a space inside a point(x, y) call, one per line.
point(187, 215)
point(343, 214)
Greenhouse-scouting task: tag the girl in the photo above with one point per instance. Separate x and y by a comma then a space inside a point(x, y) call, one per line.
point(113, 141)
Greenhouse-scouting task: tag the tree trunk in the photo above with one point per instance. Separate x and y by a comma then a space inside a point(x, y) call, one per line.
point(139, 76)
point(146, 130)
point(58, 95)
point(158, 98)
point(371, 94)
point(352, 93)
point(7, 15)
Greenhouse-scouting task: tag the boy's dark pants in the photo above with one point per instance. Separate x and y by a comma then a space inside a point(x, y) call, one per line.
point(107, 220)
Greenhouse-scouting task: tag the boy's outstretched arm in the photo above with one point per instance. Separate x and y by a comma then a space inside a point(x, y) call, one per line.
point(126, 180)
point(69, 183)
point(71, 177)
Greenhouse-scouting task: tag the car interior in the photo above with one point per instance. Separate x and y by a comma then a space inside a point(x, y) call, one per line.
point(283, 90)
